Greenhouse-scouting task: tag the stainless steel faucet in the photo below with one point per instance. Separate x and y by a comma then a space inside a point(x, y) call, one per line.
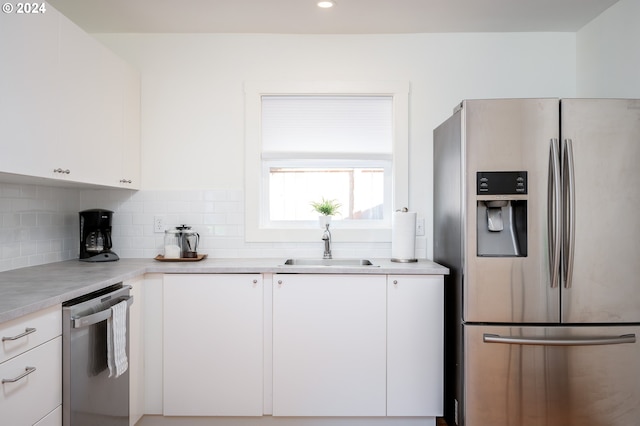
point(326, 237)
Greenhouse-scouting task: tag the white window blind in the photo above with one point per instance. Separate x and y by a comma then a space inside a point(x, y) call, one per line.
point(327, 126)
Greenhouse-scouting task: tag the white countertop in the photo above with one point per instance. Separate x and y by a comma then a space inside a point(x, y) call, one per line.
point(27, 290)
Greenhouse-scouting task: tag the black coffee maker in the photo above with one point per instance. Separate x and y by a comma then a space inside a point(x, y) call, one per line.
point(95, 236)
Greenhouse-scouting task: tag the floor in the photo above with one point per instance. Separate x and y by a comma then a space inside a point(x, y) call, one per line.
point(150, 420)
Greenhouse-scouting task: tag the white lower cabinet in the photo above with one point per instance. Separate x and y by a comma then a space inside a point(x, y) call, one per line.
point(32, 384)
point(329, 345)
point(338, 346)
point(136, 351)
point(54, 418)
point(213, 345)
point(415, 321)
point(358, 345)
point(31, 369)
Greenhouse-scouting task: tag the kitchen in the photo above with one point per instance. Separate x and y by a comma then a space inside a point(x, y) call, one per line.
point(192, 109)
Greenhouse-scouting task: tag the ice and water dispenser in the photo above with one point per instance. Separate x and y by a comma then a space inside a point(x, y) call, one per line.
point(501, 221)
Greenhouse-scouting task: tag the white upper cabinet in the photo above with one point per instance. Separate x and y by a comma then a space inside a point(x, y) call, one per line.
point(29, 77)
point(130, 150)
point(71, 106)
point(91, 106)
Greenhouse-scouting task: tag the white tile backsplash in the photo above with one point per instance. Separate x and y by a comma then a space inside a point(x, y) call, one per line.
point(40, 225)
point(217, 215)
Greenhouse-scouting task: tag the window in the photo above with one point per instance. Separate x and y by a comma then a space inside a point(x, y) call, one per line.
point(359, 189)
point(326, 146)
point(341, 141)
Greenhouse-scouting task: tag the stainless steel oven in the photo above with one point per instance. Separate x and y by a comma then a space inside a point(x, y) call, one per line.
point(90, 396)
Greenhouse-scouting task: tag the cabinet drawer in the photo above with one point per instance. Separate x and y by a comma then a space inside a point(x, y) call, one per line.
point(34, 329)
point(33, 396)
point(54, 418)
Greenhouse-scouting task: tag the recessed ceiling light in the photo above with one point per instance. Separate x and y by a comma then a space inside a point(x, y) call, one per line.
point(326, 4)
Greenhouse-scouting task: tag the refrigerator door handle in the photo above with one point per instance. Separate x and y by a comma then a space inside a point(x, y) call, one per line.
point(553, 212)
point(569, 211)
point(563, 341)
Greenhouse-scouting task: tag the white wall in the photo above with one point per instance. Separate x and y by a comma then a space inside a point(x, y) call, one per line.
point(608, 53)
point(192, 90)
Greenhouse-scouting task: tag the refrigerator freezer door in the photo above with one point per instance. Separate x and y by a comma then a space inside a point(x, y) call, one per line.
point(589, 383)
point(605, 137)
point(509, 135)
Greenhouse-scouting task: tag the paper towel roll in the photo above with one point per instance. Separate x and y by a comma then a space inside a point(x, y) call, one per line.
point(403, 237)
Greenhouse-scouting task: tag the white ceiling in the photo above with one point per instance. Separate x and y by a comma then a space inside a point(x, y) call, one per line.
point(347, 17)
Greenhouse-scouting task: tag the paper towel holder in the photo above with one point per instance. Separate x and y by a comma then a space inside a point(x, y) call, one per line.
point(413, 260)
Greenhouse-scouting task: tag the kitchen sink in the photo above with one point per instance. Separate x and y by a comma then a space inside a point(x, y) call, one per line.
point(328, 262)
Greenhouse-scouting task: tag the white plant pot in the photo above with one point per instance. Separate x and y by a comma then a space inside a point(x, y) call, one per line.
point(324, 221)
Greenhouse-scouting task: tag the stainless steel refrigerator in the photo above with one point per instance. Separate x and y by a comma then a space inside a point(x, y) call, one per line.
point(537, 215)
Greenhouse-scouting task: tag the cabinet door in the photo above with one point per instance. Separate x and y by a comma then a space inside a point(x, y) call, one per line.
point(136, 351)
point(80, 100)
point(29, 92)
point(29, 331)
point(91, 103)
point(213, 345)
point(329, 345)
point(415, 345)
point(130, 175)
point(31, 384)
point(54, 418)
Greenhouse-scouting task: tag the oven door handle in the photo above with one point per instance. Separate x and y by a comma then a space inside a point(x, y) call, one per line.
point(97, 317)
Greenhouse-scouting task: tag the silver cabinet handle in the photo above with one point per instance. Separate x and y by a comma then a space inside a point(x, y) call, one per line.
point(125, 180)
point(27, 331)
point(563, 341)
point(27, 371)
point(64, 171)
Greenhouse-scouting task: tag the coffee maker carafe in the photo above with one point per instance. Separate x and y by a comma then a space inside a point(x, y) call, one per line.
point(95, 236)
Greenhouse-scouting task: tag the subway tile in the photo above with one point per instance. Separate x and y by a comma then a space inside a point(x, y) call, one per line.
point(40, 224)
point(28, 220)
point(17, 262)
point(9, 190)
point(27, 248)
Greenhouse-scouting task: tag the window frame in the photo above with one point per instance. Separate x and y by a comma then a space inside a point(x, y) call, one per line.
point(255, 198)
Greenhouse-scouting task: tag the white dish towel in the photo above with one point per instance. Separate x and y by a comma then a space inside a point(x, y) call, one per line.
point(117, 340)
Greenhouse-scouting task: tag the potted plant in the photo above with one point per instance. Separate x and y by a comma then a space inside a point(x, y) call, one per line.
point(327, 209)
